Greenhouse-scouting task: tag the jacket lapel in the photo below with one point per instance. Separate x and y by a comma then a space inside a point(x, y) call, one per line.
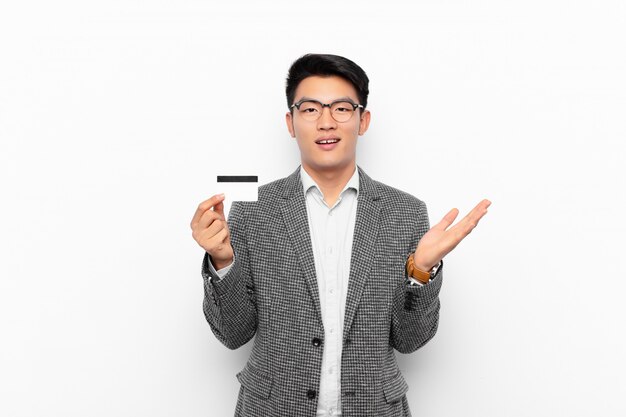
point(363, 245)
point(293, 209)
point(294, 213)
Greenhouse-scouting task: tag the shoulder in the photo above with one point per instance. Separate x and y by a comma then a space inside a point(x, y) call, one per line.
point(385, 193)
point(273, 190)
point(399, 206)
point(392, 198)
point(392, 195)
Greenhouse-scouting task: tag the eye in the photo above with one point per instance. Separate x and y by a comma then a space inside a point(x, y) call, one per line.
point(309, 107)
point(342, 107)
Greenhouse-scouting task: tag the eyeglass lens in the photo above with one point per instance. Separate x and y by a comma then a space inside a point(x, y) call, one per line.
point(341, 111)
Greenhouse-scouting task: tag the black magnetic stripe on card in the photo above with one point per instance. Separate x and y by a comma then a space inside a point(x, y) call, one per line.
point(237, 178)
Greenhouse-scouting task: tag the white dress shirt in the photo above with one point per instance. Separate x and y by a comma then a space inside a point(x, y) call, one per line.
point(332, 232)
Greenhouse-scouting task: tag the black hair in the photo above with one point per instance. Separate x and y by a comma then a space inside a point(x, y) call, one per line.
point(326, 65)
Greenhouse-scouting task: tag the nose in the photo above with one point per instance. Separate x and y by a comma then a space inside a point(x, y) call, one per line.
point(326, 121)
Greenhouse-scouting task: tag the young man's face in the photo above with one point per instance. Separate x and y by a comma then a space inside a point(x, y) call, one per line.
point(328, 158)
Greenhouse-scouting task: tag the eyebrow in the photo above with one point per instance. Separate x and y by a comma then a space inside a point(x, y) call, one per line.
point(344, 98)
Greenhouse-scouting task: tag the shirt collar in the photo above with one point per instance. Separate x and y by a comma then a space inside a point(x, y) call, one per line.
point(308, 182)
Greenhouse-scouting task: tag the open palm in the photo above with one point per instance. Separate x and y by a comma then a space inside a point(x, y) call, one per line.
point(441, 239)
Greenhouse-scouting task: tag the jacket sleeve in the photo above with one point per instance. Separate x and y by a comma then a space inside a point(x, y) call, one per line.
point(415, 314)
point(229, 303)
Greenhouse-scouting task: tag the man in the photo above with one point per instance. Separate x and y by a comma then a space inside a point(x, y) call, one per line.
point(317, 267)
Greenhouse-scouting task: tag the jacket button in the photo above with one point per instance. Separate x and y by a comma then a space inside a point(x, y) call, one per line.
point(310, 394)
point(316, 341)
point(348, 341)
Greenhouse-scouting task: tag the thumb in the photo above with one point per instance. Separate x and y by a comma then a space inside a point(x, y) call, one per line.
point(219, 208)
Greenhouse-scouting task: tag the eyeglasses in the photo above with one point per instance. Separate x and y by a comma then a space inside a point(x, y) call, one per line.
point(340, 110)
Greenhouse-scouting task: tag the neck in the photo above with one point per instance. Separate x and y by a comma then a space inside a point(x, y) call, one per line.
point(331, 182)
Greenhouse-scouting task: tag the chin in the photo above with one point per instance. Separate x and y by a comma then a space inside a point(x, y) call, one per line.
point(330, 165)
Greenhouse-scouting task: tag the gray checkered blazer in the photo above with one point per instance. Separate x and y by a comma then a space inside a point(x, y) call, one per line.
point(271, 291)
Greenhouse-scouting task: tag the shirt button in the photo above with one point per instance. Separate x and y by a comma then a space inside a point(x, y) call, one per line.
point(331, 291)
point(310, 394)
point(330, 371)
point(332, 330)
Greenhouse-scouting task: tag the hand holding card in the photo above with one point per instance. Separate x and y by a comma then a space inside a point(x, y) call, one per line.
point(210, 230)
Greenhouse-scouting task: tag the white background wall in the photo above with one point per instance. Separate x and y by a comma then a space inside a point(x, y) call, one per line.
point(115, 116)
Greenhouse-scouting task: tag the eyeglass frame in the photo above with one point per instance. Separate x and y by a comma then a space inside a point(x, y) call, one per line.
point(329, 105)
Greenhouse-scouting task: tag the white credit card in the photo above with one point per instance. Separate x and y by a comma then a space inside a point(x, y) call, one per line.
point(238, 187)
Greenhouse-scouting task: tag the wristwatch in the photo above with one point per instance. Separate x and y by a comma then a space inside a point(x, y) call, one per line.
point(422, 276)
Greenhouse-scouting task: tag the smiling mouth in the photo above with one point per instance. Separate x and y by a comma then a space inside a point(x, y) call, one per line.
point(326, 141)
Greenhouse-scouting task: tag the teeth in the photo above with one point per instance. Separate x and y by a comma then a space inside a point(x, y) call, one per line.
point(328, 141)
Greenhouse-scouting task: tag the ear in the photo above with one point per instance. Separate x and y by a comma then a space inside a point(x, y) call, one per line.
point(289, 121)
point(364, 123)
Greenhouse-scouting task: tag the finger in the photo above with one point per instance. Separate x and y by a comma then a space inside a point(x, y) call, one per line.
point(207, 234)
point(217, 226)
point(481, 207)
point(207, 219)
point(477, 212)
point(470, 221)
point(216, 243)
point(447, 220)
point(222, 235)
point(206, 205)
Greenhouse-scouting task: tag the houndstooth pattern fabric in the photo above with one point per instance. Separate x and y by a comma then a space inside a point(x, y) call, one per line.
point(271, 292)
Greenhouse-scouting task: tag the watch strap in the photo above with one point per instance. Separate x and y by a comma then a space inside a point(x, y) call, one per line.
point(418, 274)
